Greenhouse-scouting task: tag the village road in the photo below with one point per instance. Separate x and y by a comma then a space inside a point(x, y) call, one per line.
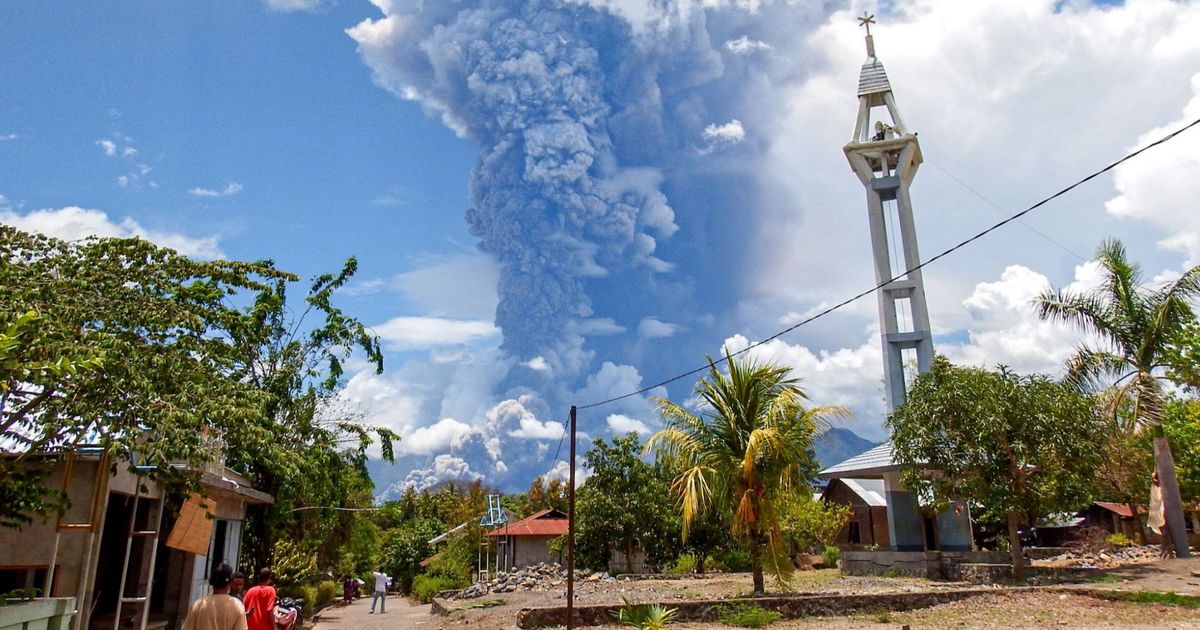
point(400, 615)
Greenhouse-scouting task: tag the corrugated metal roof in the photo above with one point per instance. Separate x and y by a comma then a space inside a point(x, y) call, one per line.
point(876, 460)
point(544, 523)
point(869, 490)
point(1121, 509)
point(873, 79)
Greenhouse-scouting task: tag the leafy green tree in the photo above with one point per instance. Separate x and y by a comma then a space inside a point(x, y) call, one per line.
point(404, 548)
point(308, 447)
point(1138, 328)
point(748, 448)
point(107, 340)
point(1181, 425)
point(624, 506)
point(811, 525)
point(1023, 446)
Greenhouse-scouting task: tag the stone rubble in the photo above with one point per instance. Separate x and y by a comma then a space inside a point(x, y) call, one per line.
point(1135, 554)
point(538, 577)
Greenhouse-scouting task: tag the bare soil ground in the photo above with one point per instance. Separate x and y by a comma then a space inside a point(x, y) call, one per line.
point(1002, 610)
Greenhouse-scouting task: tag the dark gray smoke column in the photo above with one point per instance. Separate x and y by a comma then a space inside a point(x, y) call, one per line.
point(549, 199)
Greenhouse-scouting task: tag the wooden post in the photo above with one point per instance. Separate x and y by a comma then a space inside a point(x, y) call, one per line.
point(571, 530)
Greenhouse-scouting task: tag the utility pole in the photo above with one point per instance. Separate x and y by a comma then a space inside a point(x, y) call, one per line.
point(571, 531)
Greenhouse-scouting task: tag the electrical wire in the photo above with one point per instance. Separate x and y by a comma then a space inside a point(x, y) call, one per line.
point(862, 294)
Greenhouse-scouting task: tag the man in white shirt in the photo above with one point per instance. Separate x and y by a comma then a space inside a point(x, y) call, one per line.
point(381, 583)
point(219, 611)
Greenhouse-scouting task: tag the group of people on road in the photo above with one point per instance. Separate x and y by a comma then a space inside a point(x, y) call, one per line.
point(228, 608)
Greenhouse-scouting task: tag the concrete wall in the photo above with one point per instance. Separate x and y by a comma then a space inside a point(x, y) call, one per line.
point(530, 550)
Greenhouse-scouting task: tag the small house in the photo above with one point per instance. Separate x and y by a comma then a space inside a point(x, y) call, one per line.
point(527, 541)
point(110, 549)
point(868, 522)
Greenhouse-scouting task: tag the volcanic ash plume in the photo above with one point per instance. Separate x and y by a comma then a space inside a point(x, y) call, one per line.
point(549, 199)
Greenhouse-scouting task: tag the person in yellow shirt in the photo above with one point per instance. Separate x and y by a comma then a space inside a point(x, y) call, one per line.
point(219, 611)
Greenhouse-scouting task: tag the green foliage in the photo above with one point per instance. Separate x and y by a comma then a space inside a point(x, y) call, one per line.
point(1117, 541)
point(1181, 425)
point(361, 553)
point(1018, 445)
point(750, 447)
point(1146, 335)
point(830, 555)
point(19, 595)
point(404, 548)
point(733, 560)
point(892, 572)
point(685, 564)
point(291, 565)
point(1107, 578)
point(624, 506)
point(97, 333)
point(645, 616)
point(308, 593)
point(747, 616)
point(1170, 598)
point(426, 587)
point(457, 560)
point(810, 524)
point(327, 590)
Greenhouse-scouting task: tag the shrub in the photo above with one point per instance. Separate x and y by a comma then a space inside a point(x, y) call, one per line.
point(746, 616)
point(292, 565)
point(304, 592)
point(645, 617)
point(830, 556)
point(732, 560)
point(892, 572)
point(326, 591)
point(683, 565)
point(426, 587)
point(1117, 541)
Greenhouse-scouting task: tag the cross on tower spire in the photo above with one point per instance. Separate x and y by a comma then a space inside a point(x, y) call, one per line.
point(867, 19)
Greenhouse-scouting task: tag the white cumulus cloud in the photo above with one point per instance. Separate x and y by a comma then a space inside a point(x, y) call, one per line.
point(621, 424)
point(407, 333)
point(652, 328)
point(73, 223)
point(230, 189)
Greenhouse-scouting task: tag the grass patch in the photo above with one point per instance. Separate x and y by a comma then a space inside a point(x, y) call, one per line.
point(1170, 598)
point(1105, 579)
point(747, 616)
point(892, 572)
point(487, 603)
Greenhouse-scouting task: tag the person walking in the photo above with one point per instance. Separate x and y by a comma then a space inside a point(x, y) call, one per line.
point(218, 611)
point(260, 603)
point(349, 585)
point(381, 584)
point(237, 586)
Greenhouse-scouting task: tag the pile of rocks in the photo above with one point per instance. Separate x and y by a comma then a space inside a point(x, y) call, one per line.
point(538, 577)
point(1104, 559)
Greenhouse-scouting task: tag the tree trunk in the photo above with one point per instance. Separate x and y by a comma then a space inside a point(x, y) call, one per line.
point(756, 564)
point(700, 563)
point(1164, 463)
point(629, 556)
point(1014, 545)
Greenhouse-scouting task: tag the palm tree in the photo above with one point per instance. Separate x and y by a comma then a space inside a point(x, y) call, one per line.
point(1136, 327)
point(749, 447)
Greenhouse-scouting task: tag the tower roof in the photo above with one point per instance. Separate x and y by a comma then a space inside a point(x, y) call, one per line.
point(872, 79)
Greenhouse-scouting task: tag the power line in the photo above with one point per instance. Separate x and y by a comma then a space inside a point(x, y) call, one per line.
point(879, 286)
point(1003, 211)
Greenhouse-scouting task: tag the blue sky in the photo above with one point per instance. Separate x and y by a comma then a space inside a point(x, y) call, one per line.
point(634, 184)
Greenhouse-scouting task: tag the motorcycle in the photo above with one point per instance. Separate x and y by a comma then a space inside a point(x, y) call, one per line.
point(287, 613)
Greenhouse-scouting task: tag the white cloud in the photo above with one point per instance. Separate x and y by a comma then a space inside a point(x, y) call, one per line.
point(510, 412)
point(744, 46)
point(108, 146)
point(407, 333)
point(74, 223)
point(230, 189)
point(443, 468)
point(598, 327)
point(8, 137)
point(455, 287)
point(538, 364)
point(651, 328)
point(289, 6)
point(434, 438)
point(621, 424)
point(1161, 186)
point(728, 134)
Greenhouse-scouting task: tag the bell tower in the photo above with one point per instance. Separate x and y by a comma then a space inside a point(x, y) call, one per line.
point(885, 155)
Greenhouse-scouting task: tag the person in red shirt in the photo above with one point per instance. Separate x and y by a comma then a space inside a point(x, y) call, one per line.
point(260, 603)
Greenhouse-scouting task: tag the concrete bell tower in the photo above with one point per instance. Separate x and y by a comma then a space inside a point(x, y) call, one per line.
point(885, 156)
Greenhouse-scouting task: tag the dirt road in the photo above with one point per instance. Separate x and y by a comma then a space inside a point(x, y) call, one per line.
point(400, 615)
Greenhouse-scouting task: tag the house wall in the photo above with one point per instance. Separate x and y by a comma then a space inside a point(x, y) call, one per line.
point(616, 561)
point(872, 521)
point(530, 550)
